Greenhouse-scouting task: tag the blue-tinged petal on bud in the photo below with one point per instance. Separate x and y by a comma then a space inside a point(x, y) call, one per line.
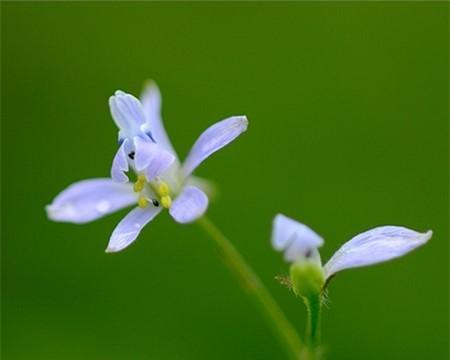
point(296, 239)
point(374, 246)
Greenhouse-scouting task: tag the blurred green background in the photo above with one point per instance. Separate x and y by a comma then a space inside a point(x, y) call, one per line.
point(348, 106)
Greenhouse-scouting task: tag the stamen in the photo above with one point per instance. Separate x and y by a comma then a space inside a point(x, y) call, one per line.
point(166, 201)
point(142, 202)
point(163, 191)
point(131, 155)
point(139, 184)
point(163, 188)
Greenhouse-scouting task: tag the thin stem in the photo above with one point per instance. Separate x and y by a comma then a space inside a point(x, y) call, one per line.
point(253, 284)
point(313, 304)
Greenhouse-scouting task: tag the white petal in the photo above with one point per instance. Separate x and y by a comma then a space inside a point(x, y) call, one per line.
point(214, 138)
point(120, 164)
point(297, 251)
point(151, 103)
point(375, 246)
point(296, 239)
point(189, 205)
point(127, 113)
point(151, 158)
point(88, 200)
point(130, 226)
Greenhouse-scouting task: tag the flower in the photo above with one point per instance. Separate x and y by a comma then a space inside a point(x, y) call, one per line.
point(162, 181)
point(300, 245)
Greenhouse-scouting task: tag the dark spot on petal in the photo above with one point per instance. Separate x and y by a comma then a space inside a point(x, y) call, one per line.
point(155, 202)
point(149, 134)
point(131, 155)
point(308, 253)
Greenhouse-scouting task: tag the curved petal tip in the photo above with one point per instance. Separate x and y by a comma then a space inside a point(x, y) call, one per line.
point(297, 240)
point(374, 246)
point(213, 139)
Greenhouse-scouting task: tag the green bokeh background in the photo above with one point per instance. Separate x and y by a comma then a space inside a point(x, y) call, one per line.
point(348, 107)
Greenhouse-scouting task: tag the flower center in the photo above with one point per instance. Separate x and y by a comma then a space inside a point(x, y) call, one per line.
point(161, 188)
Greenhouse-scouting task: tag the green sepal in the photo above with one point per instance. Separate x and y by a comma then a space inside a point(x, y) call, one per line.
point(307, 279)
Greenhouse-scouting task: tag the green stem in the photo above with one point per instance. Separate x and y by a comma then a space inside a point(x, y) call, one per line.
point(253, 284)
point(313, 304)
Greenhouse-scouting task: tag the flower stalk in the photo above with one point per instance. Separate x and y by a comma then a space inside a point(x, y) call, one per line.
point(307, 281)
point(313, 329)
point(284, 329)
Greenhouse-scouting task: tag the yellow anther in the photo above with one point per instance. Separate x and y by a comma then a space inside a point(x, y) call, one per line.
point(163, 189)
point(140, 183)
point(138, 186)
point(166, 201)
point(142, 202)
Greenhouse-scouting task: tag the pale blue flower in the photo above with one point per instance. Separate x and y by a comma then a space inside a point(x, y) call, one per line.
point(377, 245)
point(162, 181)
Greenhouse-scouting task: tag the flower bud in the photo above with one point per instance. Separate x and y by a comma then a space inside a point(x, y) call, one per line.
point(307, 278)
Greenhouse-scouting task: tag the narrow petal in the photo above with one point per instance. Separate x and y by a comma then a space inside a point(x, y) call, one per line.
point(130, 226)
point(189, 205)
point(151, 103)
point(127, 113)
point(120, 164)
point(88, 200)
point(296, 239)
point(374, 246)
point(151, 158)
point(214, 138)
